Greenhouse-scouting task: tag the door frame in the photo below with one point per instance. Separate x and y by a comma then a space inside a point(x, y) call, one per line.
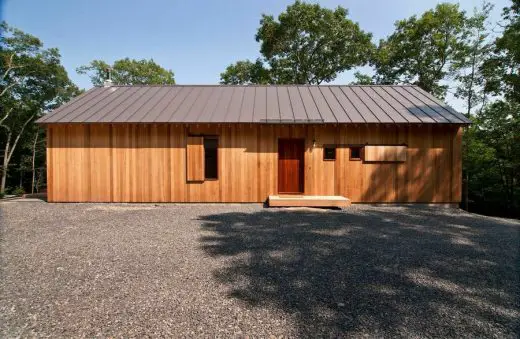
point(302, 166)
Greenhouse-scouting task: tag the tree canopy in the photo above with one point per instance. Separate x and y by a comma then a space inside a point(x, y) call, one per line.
point(128, 72)
point(362, 79)
point(306, 44)
point(246, 72)
point(492, 158)
point(502, 69)
point(32, 82)
point(469, 78)
point(443, 50)
point(423, 50)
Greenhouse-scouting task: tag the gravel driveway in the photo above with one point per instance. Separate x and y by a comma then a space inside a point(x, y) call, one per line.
point(100, 270)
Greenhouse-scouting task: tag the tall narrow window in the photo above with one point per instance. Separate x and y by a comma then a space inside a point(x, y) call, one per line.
point(210, 158)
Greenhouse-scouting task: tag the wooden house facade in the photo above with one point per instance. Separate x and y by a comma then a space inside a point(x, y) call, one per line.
point(244, 143)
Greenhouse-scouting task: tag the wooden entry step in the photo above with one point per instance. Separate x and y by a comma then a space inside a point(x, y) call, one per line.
point(308, 201)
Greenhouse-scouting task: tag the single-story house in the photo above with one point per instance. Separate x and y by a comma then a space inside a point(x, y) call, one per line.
point(205, 143)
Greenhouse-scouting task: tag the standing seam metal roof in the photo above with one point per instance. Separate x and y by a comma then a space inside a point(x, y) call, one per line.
point(387, 104)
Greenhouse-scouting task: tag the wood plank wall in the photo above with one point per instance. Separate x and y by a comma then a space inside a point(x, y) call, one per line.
point(195, 158)
point(147, 163)
point(384, 153)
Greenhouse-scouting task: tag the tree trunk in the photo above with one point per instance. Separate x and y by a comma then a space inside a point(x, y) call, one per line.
point(466, 193)
point(2, 185)
point(9, 150)
point(33, 161)
point(5, 163)
point(37, 185)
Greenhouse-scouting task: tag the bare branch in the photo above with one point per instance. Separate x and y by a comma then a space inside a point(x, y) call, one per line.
point(7, 88)
point(34, 161)
point(6, 116)
point(8, 156)
point(15, 82)
point(10, 66)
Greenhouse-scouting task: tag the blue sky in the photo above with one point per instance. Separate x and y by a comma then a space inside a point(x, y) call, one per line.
point(196, 39)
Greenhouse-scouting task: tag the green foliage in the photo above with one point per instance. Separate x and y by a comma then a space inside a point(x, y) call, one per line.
point(18, 191)
point(502, 69)
point(492, 144)
point(128, 72)
point(492, 159)
point(307, 44)
point(424, 50)
point(469, 76)
point(445, 45)
point(32, 82)
point(245, 72)
point(32, 77)
point(362, 79)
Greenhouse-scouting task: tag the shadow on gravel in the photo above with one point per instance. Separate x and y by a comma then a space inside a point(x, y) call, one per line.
point(387, 272)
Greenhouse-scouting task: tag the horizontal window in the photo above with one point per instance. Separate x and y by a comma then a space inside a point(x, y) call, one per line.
point(385, 153)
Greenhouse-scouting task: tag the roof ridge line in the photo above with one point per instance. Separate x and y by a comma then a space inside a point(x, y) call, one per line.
point(255, 85)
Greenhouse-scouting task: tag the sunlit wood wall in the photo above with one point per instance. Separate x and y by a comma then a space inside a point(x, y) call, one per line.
point(147, 163)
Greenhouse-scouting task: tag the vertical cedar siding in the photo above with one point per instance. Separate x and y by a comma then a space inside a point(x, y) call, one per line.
point(148, 163)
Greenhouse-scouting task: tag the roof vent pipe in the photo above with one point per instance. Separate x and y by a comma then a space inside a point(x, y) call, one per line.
point(108, 78)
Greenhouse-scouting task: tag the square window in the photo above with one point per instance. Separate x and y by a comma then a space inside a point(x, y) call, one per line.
point(210, 158)
point(355, 153)
point(329, 153)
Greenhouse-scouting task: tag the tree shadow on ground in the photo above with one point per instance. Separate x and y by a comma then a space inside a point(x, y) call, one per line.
point(393, 271)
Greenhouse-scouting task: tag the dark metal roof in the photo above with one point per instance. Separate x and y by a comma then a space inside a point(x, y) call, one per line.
point(255, 104)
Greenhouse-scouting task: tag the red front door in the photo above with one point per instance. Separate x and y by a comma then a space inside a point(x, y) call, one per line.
point(290, 165)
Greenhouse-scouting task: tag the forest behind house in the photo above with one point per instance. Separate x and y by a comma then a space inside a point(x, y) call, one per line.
point(453, 54)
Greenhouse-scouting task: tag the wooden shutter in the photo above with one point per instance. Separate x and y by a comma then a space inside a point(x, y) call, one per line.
point(385, 153)
point(195, 159)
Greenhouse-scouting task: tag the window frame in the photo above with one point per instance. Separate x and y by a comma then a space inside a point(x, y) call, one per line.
point(333, 147)
point(389, 153)
point(212, 137)
point(360, 148)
